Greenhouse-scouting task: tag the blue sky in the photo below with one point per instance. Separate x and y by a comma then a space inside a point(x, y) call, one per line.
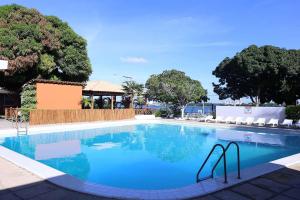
point(138, 38)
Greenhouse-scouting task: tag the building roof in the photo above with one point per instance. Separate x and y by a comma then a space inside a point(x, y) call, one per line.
point(5, 91)
point(99, 87)
point(55, 82)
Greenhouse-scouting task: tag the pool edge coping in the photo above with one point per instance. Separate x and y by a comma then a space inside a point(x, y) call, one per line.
point(195, 190)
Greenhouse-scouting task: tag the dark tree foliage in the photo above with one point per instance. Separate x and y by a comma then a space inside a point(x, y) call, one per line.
point(39, 46)
point(262, 73)
point(293, 112)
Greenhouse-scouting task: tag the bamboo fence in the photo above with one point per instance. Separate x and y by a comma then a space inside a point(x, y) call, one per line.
point(40, 116)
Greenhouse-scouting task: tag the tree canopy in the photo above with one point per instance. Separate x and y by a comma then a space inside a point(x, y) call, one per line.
point(172, 86)
point(39, 46)
point(264, 74)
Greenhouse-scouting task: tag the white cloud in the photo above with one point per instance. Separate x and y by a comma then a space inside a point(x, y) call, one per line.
point(134, 60)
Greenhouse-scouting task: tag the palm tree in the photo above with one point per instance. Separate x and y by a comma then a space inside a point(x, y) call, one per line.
point(86, 102)
point(132, 89)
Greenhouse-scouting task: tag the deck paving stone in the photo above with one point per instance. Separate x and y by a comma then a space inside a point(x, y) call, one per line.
point(59, 194)
point(208, 197)
point(294, 193)
point(35, 190)
point(9, 196)
point(281, 197)
point(294, 169)
point(21, 187)
point(269, 185)
point(252, 191)
point(229, 195)
point(285, 178)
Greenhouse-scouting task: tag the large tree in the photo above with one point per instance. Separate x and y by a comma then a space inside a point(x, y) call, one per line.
point(175, 87)
point(262, 73)
point(39, 46)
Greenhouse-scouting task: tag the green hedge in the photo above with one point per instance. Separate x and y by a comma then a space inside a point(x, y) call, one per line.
point(293, 112)
point(28, 100)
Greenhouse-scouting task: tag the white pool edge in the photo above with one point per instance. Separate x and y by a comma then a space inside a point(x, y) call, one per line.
point(205, 187)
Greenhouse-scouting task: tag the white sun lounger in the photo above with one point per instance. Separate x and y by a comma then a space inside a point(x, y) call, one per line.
point(287, 122)
point(219, 119)
point(260, 121)
point(297, 124)
point(228, 120)
point(239, 120)
point(273, 122)
point(208, 118)
point(248, 121)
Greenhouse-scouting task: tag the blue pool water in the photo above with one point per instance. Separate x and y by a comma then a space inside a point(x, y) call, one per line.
point(153, 156)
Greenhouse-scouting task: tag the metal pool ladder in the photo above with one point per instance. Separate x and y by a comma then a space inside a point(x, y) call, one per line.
point(223, 155)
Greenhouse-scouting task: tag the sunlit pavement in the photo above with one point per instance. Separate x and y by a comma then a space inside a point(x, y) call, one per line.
point(4, 124)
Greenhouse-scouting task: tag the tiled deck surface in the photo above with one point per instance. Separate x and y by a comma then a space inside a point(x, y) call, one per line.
point(4, 124)
point(17, 183)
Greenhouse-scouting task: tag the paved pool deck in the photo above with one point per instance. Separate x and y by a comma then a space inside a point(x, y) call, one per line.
point(17, 183)
point(4, 124)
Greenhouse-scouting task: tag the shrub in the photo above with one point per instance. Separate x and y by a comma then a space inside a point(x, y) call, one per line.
point(157, 113)
point(293, 112)
point(28, 100)
point(163, 112)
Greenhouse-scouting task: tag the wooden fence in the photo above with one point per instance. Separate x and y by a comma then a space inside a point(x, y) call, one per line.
point(86, 115)
point(144, 112)
point(10, 113)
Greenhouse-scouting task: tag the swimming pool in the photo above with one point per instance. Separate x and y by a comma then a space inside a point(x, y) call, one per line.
point(149, 156)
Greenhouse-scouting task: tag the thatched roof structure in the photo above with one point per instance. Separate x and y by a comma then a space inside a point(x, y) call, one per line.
point(102, 88)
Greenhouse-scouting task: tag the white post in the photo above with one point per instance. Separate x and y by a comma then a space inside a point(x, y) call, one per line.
point(182, 112)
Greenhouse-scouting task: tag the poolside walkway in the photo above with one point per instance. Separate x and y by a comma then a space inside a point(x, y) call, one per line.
point(283, 184)
point(17, 183)
point(4, 124)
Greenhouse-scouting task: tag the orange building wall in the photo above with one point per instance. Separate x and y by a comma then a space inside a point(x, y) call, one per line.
point(58, 96)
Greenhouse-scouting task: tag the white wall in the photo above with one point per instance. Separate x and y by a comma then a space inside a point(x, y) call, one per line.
point(251, 111)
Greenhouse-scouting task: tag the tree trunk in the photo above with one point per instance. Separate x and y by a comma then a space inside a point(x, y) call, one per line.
point(258, 97)
point(131, 103)
point(182, 112)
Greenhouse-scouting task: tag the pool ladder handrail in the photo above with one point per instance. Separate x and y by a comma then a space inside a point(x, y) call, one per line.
point(223, 155)
point(19, 120)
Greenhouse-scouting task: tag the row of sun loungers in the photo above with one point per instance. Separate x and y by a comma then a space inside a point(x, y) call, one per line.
point(250, 121)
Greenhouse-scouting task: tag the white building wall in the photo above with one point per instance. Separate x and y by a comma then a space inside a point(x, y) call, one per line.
point(251, 111)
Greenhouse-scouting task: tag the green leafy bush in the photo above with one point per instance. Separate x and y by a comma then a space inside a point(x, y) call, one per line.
point(163, 112)
point(293, 112)
point(157, 113)
point(28, 100)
